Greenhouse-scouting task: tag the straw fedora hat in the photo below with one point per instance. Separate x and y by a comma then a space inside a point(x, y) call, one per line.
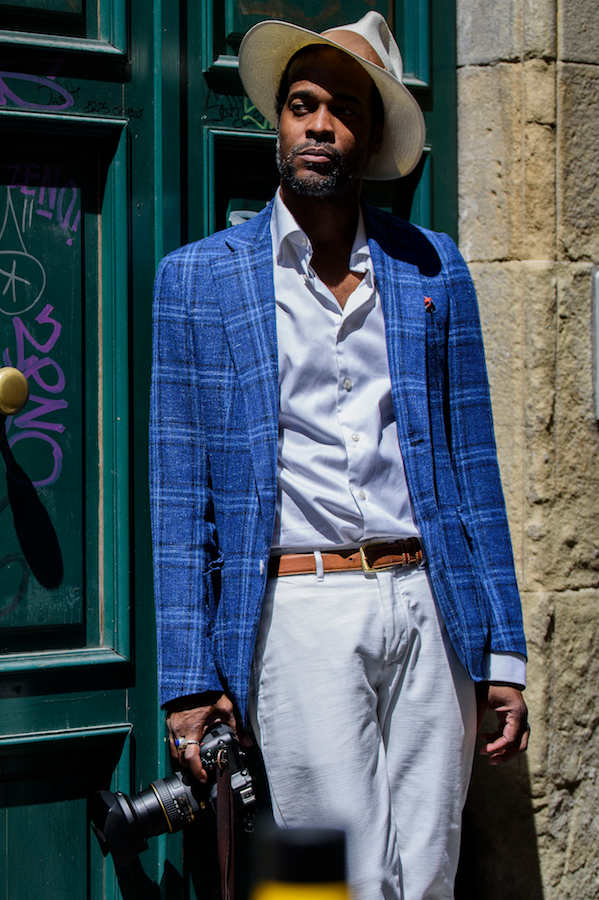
point(267, 48)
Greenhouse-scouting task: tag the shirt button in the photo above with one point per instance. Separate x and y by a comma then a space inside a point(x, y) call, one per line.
point(362, 495)
point(355, 437)
point(347, 384)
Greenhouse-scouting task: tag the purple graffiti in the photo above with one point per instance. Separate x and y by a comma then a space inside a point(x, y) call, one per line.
point(56, 454)
point(34, 424)
point(37, 186)
point(60, 97)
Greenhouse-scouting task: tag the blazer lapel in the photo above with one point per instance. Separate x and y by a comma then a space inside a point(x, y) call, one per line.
point(245, 276)
point(402, 299)
point(402, 296)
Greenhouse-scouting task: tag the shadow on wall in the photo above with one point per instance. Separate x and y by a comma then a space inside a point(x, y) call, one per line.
point(499, 858)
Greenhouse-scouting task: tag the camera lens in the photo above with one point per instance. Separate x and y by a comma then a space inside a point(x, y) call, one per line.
point(167, 805)
point(123, 823)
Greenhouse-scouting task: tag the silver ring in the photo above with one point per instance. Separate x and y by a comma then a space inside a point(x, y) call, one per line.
point(183, 742)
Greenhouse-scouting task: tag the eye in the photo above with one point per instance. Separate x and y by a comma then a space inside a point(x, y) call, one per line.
point(298, 107)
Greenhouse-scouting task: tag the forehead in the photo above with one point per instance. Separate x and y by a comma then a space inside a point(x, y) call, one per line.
point(331, 69)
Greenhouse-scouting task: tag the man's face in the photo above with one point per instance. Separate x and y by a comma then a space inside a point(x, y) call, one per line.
point(325, 128)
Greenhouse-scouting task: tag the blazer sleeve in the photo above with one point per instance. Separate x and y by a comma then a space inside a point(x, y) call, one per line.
point(474, 454)
point(185, 558)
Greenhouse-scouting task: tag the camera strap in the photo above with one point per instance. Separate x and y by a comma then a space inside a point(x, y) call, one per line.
point(225, 832)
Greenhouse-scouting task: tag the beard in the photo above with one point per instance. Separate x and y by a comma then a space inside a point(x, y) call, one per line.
point(328, 179)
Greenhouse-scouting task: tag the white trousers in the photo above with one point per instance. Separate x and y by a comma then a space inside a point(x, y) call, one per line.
point(366, 719)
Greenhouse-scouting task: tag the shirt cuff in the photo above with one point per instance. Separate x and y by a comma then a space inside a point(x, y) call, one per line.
point(507, 667)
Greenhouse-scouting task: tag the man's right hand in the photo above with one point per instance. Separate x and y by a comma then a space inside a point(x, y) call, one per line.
point(190, 717)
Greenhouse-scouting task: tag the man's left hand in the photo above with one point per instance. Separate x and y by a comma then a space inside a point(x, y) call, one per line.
point(513, 729)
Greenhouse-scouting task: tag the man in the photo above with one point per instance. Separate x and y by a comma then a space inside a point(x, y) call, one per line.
point(326, 496)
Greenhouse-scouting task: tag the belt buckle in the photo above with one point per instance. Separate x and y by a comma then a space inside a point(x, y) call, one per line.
point(366, 567)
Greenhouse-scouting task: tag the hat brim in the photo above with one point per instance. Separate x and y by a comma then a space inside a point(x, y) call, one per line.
point(263, 57)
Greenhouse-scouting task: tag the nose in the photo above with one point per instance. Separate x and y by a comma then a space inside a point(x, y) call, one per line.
point(320, 126)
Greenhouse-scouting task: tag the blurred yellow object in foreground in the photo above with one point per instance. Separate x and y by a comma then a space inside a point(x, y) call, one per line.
point(279, 890)
point(300, 864)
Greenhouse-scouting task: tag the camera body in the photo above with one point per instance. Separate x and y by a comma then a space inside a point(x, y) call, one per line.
point(122, 824)
point(220, 749)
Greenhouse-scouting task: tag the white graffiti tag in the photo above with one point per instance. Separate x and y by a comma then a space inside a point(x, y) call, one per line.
point(22, 276)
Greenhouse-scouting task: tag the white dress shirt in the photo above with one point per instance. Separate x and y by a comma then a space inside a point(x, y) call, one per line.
point(341, 478)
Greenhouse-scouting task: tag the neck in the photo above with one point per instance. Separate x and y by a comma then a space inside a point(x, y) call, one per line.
point(329, 222)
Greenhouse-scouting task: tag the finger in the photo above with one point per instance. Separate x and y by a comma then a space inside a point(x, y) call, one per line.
point(191, 760)
point(172, 736)
point(502, 740)
point(172, 747)
point(502, 749)
point(525, 739)
point(222, 715)
point(495, 747)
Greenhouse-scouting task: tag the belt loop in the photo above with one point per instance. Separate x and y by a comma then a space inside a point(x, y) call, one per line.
point(319, 565)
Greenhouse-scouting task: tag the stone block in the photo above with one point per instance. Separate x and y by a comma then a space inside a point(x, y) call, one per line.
point(570, 843)
point(561, 467)
point(538, 192)
point(539, 32)
point(506, 146)
point(491, 32)
point(535, 285)
point(578, 161)
point(576, 432)
point(538, 609)
point(490, 161)
point(488, 31)
point(578, 31)
point(539, 91)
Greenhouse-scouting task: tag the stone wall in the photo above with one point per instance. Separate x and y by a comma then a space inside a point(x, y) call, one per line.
point(528, 114)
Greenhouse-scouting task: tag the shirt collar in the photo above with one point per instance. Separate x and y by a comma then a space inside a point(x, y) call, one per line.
point(292, 247)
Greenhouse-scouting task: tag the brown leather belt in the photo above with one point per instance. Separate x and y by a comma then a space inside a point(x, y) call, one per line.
point(374, 557)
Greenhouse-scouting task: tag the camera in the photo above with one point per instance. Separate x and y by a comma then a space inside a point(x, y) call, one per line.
point(122, 824)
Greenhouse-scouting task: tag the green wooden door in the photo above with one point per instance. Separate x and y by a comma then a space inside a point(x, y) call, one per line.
point(123, 122)
point(79, 160)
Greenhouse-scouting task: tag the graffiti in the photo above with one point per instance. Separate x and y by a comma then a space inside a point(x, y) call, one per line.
point(49, 377)
point(103, 108)
point(254, 116)
point(51, 91)
point(22, 276)
point(39, 186)
point(233, 110)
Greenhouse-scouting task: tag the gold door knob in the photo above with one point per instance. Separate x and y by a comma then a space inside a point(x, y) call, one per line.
point(14, 390)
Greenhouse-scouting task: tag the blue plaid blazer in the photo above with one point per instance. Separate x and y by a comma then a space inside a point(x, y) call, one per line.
point(214, 431)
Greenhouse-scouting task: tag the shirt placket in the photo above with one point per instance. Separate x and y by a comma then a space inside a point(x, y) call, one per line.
point(350, 399)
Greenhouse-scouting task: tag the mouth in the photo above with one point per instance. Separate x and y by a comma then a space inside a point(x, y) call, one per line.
point(316, 155)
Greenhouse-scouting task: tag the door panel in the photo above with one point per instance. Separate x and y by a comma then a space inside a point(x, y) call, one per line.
point(65, 655)
point(45, 21)
point(64, 333)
